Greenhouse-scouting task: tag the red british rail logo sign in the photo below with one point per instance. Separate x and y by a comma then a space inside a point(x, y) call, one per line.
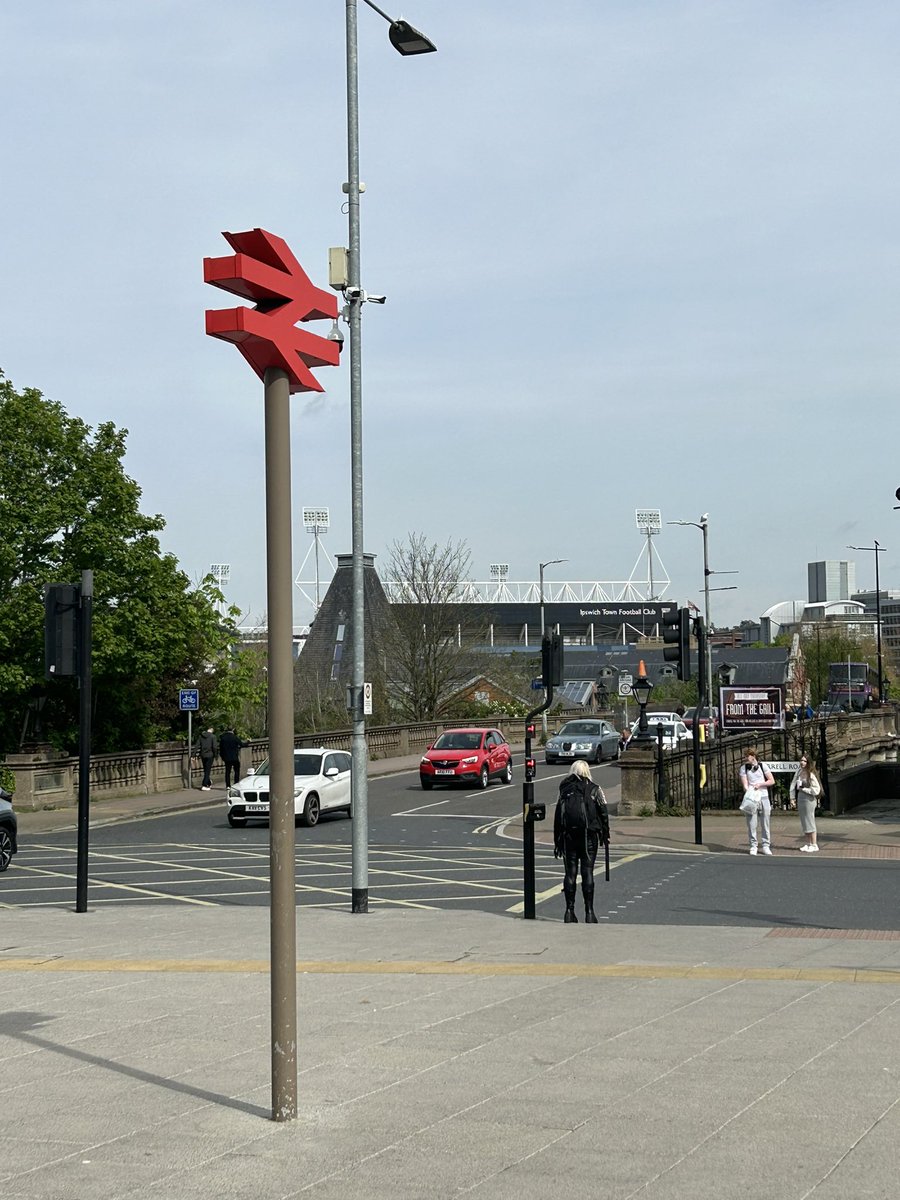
point(263, 269)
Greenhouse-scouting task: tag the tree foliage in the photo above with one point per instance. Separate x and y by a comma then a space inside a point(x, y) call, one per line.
point(67, 505)
point(429, 658)
point(824, 643)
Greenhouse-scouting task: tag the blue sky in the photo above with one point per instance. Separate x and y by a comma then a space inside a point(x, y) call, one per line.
point(636, 255)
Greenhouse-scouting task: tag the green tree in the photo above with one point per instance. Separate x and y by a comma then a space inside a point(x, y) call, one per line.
point(823, 643)
point(66, 505)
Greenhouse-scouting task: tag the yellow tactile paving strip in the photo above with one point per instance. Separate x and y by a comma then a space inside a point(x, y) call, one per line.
point(537, 970)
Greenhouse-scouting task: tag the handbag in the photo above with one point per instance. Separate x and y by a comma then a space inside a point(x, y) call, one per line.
point(750, 803)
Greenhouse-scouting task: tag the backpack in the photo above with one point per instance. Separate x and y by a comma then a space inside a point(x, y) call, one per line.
point(577, 810)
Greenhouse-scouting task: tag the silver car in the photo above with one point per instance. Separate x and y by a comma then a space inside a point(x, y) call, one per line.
point(592, 740)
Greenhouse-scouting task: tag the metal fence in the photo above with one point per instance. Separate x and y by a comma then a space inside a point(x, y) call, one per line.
point(723, 758)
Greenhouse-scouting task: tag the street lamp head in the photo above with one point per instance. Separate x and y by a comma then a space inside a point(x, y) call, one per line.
point(641, 687)
point(407, 40)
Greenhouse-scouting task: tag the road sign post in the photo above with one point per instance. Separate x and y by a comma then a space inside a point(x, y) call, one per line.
point(189, 702)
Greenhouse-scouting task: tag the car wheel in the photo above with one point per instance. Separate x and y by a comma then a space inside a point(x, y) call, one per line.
point(427, 784)
point(311, 811)
point(598, 757)
point(5, 849)
point(484, 778)
point(236, 822)
point(507, 774)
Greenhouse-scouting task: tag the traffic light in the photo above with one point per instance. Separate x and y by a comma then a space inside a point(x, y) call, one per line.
point(61, 601)
point(551, 660)
point(677, 636)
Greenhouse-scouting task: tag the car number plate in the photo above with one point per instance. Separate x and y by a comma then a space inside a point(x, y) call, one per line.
point(260, 808)
point(444, 771)
point(567, 754)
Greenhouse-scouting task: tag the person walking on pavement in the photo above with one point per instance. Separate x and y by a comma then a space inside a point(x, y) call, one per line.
point(206, 748)
point(805, 792)
point(580, 822)
point(756, 779)
point(230, 753)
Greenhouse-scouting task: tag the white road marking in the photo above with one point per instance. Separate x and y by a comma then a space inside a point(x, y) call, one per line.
point(540, 897)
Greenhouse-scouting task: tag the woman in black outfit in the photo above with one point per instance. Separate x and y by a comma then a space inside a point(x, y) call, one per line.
point(580, 823)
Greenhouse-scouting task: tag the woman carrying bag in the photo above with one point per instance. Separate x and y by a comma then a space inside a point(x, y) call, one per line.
point(756, 779)
point(805, 791)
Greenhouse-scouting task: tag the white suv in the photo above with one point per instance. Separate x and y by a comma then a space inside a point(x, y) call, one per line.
point(321, 784)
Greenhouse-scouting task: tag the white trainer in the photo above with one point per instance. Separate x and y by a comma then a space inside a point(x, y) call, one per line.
point(752, 849)
point(767, 849)
point(814, 849)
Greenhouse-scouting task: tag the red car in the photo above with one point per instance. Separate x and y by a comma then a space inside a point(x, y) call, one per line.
point(470, 756)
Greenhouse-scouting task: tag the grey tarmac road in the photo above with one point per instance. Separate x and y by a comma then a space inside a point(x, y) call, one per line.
point(445, 849)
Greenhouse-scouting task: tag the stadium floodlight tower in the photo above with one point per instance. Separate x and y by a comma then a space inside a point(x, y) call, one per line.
point(316, 521)
point(499, 575)
point(221, 573)
point(649, 522)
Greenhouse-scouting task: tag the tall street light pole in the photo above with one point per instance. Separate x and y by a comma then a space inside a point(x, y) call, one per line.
point(703, 526)
point(878, 549)
point(406, 41)
point(541, 595)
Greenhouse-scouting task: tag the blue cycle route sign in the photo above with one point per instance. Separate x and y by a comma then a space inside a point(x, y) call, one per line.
point(189, 699)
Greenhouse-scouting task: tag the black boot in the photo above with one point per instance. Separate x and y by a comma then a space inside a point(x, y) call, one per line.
point(570, 917)
point(590, 917)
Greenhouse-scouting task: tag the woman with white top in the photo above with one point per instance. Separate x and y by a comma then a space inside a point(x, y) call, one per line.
point(805, 791)
point(756, 775)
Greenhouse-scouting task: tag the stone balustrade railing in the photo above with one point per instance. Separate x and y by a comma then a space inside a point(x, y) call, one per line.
point(47, 780)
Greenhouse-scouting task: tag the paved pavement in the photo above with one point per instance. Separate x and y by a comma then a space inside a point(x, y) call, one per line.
point(442, 1055)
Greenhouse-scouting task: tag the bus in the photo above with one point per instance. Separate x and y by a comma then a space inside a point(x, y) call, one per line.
point(852, 685)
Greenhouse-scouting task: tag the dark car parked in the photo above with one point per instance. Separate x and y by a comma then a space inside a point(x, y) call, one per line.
point(9, 830)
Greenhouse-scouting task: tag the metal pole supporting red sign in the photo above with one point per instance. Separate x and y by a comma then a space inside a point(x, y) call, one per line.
point(264, 270)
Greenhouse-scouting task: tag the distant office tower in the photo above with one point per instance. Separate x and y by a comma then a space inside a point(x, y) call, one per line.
point(831, 581)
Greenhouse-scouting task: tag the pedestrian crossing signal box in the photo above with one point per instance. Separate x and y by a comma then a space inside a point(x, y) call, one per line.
point(538, 812)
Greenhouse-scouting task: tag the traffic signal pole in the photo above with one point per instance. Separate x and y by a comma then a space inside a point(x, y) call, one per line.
point(703, 702)
point(85, 633)
point(530, 811)
point(551, 674)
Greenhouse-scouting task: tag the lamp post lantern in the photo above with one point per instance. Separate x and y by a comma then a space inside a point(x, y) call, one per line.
point(641, 688)
point(406, 41)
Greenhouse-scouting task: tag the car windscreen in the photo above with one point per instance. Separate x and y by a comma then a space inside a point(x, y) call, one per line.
point(585, 728)
point(458, 741)
point(304, 764)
